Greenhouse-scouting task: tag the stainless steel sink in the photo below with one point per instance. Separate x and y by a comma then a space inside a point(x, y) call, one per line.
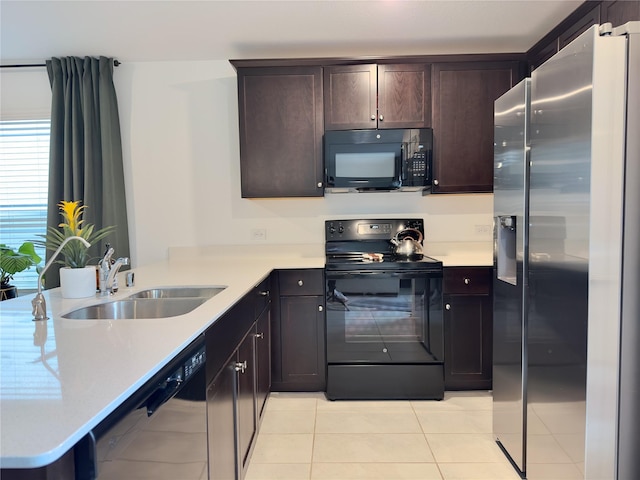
point(137, 308)
point(178, 292)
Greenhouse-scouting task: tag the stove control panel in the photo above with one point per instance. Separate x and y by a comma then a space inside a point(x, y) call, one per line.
point(368, 229)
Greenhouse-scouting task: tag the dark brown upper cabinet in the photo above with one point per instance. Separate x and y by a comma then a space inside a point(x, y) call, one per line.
point(463, 96)
point(581, 25)
point(590, 13)
point(619, 12)
point(377, 96)
point(281, 128)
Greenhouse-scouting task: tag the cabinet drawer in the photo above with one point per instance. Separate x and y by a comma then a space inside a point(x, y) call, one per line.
point(301, 282)
point(468, 280)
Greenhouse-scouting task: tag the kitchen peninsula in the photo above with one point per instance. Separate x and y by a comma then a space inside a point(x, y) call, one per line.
point(62, 377)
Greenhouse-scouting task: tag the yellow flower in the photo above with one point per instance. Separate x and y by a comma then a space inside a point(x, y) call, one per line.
point(71, 213)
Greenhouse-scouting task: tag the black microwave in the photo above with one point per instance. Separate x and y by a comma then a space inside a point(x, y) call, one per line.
point(378, 160)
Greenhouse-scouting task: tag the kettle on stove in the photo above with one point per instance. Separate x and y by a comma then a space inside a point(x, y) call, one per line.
point(408, 243)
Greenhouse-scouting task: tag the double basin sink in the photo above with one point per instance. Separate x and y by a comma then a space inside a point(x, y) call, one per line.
point(151, 303)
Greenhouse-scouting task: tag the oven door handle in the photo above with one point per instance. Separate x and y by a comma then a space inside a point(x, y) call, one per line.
point(331, 275)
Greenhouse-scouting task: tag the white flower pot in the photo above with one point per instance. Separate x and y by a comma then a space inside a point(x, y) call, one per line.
point(78, 282)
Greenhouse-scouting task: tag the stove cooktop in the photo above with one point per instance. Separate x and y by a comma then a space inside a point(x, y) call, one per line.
point(365, 244)
point(387, 262)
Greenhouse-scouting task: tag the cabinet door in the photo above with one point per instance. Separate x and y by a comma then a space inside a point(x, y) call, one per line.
point(404, 96)
point(592, 17)
point(463, 96)
point(302, 343)
point(350, 97)
point(620, 12)
point(377, 96)
point(281, 128)
point(542, 54)
point(221, 413)
point(263, 360)
point(468, 342)
point(246, 416)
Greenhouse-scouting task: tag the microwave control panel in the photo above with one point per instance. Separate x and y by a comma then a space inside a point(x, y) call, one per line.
point(416, 169)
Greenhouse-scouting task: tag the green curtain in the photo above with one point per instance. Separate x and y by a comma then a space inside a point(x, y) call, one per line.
point(85, 160)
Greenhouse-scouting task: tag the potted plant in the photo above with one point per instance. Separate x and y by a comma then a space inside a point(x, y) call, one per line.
point(12, 262)
point(77, 278)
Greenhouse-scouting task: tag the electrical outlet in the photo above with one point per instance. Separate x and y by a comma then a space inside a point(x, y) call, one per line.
point(482, 229)
point(259, 234)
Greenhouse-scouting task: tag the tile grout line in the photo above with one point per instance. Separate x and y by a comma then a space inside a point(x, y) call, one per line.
point(435, 460)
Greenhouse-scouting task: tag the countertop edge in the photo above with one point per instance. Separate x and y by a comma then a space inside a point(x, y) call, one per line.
point(197, 262)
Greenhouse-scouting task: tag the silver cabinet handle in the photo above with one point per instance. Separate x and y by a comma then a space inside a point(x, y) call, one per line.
point(436, 182)
point(260, 335)
point(264, 293)
point(447, 306)
point(300, 283)
point(467, 281)
point(381, 118)
point(320, 309)
point(240, 366)
point(373, 117)
point(319, 184)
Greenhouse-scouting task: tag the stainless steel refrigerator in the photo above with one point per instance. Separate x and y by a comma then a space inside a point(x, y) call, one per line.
point(566, 377)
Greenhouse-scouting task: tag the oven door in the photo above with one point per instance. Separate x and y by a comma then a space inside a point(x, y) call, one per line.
point(384, 317)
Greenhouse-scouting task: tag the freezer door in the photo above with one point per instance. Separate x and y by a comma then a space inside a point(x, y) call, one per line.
point(561, 102)
point(577, 102)
point(511, 165)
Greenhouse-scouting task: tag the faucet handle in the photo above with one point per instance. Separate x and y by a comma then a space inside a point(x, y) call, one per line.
point(106, 259)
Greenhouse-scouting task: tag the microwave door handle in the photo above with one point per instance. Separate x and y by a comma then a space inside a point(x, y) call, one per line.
point(406, 163)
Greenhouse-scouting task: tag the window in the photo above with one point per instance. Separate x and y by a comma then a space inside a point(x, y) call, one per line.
point(24, 163)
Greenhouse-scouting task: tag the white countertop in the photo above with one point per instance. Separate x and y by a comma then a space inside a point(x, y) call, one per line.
point(59, 378)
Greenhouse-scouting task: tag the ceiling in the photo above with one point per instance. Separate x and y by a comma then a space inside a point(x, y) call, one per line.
point(170, 30)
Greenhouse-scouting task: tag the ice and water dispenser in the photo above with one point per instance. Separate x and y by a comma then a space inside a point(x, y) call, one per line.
point(506, 262)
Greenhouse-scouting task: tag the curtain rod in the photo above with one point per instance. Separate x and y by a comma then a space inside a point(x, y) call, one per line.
point(116, 63)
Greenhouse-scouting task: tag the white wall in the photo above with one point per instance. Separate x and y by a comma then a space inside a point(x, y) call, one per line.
point(24, 93)
point(179, 125)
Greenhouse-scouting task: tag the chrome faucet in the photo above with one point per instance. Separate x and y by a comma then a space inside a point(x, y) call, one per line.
point(111, 285)
point(38, 303)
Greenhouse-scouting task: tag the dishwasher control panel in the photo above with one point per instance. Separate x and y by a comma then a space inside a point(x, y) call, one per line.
point(194, 363)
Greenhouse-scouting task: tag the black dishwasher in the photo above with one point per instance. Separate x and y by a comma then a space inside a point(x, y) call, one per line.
point(158, 433)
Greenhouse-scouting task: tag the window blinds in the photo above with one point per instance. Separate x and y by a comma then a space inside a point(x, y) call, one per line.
point(24, 175)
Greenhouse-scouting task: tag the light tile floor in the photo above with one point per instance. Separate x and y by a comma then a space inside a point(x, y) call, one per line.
point(306, 437)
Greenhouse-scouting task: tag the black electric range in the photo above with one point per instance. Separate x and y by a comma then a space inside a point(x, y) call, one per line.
point(384, 318)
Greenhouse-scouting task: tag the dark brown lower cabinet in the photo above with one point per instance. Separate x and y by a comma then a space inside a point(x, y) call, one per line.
point(239, 373)
point(263, 360)
point(468, 328)
point(221, 424)
point(246, 407)
point(298, 342)
point(302, 333)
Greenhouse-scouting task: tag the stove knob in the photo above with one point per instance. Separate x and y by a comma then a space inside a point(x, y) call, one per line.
point(332, 229)
point(340, 229)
